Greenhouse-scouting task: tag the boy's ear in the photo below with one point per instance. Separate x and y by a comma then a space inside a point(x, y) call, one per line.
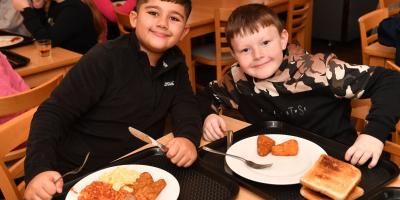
point(185, 32)
point(284, 38)
point(133, 18)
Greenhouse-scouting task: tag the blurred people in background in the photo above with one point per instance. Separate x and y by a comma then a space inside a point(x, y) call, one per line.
point(106, 7)
point(72, 24)
point(10, 19)
point(10, 83)
point(389, 34)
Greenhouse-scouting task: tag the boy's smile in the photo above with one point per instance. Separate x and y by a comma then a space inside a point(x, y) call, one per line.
point(159, 25)
point(260, 53)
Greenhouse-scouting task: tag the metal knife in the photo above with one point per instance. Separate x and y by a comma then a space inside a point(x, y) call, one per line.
point(146, 138)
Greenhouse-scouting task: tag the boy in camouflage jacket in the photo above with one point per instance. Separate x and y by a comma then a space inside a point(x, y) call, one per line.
point(274, 80)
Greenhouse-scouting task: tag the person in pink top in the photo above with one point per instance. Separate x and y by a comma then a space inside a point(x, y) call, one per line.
point(106, 7)
point(10, 83)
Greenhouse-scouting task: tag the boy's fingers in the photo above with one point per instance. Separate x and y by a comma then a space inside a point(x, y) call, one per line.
point(349, 153)
point(43, 194)
point(374, 161)
point(356, 157)
point(364, 158)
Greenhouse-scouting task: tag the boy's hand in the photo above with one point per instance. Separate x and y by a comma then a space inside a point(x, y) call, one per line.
point(213, 127)
point(364, 148)
point(43, 186)
point(181, 152)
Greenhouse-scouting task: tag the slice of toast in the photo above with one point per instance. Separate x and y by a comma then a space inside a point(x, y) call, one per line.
point(264, 145)
point(287, 148)
point(331, 177)
point(312, 195)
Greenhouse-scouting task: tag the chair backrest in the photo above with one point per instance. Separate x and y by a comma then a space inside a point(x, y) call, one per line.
point(28, 99)
point(298, 16)
point(367, 23)
point(221, 16)
point(124, 24)
point(392, 5)
point(12, 134)
point(392, 66)
point(359, 112)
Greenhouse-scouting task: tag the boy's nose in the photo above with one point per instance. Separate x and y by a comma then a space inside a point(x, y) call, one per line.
point(163, 23)
point(257, 54)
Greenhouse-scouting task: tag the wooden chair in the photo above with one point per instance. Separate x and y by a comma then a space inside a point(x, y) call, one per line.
point(215, 54)
point(24, 101)
point(12, 134)
point(298, 21)
point(392, 66)
point(359, 112)
point(392, 5)
point(373, 53)
point(124, 24)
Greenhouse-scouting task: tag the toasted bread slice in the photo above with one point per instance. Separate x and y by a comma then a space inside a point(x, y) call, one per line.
point(331, 177)
point(312, 195)
point(264, 145)
point(287, 148)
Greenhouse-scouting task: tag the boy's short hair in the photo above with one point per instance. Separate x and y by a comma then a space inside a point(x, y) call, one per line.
point(249, 18)
point(187, 4)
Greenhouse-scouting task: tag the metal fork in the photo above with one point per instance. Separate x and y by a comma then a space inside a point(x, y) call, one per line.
point(247, 162)
point(76, 170)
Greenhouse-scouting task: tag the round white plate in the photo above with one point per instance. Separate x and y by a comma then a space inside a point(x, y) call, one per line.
point(285, 170)
point(171, 191)
point(8, 40)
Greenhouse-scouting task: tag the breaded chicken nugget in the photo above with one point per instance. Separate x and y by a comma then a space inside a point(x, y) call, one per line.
point(264, 145)
point(288, 148)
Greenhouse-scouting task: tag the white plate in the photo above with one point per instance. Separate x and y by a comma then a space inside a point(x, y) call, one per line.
point(171, 191)
point(8, 40)
point(286, 170)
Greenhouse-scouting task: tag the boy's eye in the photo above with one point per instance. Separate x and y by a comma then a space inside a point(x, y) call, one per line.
point(154, 13)
point(245, 50)
point(266, 42)
point(175, 19)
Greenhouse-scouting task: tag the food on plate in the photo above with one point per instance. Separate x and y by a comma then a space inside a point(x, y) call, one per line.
point(9, 40)
point(287, 148)
point(313, 195)
point(264, 145)
point(142, 187)
point(145, 188)
point(119, 177)
point(331, 177)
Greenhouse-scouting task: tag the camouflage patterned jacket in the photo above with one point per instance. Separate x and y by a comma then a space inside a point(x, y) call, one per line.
point(313, 92)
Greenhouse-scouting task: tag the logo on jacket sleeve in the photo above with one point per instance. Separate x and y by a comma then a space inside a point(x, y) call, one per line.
point(169, 83)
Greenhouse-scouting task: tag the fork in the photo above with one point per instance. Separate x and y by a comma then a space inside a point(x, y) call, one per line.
point(76, 170)
point(247, 162)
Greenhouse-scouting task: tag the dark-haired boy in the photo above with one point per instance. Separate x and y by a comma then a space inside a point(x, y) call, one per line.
point(135, 80)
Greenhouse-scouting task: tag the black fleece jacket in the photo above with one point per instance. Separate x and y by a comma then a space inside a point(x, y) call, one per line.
point(112, 87)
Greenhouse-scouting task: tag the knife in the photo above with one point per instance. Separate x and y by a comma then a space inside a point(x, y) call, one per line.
point(146, 138)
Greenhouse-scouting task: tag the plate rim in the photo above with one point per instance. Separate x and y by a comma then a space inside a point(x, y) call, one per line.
point(74, 192)
point(21, 39)
point(241, 174)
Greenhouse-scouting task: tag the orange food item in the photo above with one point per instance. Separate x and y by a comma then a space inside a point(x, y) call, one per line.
point(264, 145)
point(144, 188)
point(287, 148)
